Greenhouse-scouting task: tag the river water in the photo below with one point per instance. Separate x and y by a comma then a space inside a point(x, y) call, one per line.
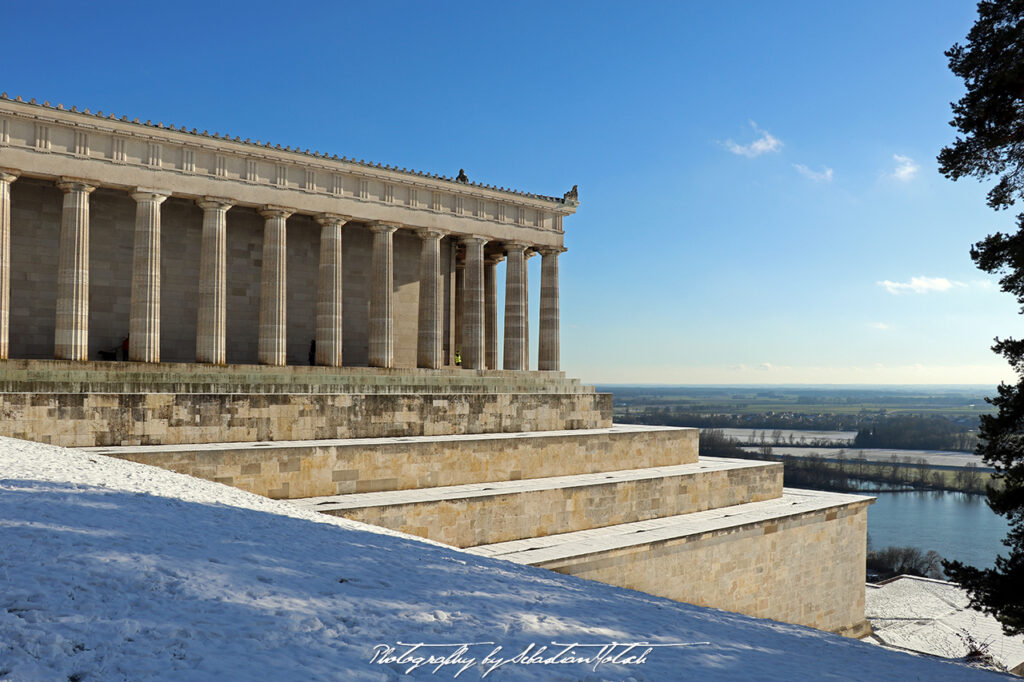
point(956, 525)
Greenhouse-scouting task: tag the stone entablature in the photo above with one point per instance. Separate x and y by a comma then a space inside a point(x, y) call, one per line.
point(126, 155)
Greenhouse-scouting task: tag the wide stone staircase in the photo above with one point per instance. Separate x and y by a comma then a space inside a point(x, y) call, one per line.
point(523, 466)
point(715, 532)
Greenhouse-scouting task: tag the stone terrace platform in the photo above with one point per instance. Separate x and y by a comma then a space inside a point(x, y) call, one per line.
point(63, 376)
point(798, 558)
point(481, 513)
point(629, 506)
point(126, 403)
point(626, 505)
point(312, 468)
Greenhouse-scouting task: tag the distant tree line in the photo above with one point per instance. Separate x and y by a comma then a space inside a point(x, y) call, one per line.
point(893, 561)
point(849, 475)
point(846, 474)
point(902, 432)
point(914, 432)
point(716, 420)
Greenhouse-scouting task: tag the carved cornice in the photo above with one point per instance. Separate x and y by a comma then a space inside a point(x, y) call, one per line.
point(181, 137)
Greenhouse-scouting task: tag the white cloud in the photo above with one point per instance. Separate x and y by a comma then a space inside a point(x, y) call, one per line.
point(762, 145)
point(920, 285)
point(824, 176)
point(906, 169)
point(984, 285)
point(878, 325)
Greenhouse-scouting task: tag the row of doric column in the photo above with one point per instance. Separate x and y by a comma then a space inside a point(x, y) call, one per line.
point(476, 286)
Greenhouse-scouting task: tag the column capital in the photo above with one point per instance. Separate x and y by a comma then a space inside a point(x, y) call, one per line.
point(430, 233)
point(551, 250)
point(142, 194)
point(8, 175)
point(208, 203)
point(378, 226)
point(468, 239)
point(529, 253)
point(275, 212)
point(76, 185)
point(332, 218)
point(494, 258)
point(515, 246)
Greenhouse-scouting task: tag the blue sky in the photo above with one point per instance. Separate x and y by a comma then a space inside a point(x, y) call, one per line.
point(760, 199)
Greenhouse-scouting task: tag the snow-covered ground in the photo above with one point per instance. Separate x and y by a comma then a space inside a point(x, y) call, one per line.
point(932, 616)
point(111, 570)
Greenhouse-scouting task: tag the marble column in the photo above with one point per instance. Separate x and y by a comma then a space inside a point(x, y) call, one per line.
point(144, 316)
point(460, 294)
point(328, 297)
point(473, 298)
point(491, 310)
point(548, 355)
point(526, 307)
point(273, 329)
point(382, 328)
point(6, 178)
point(449, 303)
point(71, 337)
point(515, 309)
point(431, 318)
point(211, 330)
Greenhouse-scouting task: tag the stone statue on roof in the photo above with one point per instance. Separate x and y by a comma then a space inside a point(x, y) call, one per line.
point(462, 176)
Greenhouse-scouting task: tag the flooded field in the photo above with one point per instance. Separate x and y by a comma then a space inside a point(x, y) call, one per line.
point(791, 436)
point(936, 458)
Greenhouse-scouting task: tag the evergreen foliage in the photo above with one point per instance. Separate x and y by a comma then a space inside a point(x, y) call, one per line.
point(990, 117)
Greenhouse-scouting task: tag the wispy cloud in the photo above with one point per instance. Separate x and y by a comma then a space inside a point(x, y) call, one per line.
point(906, 168)
point(878, 325)
point(920, 285)
point(825, 175)
point(762, 145)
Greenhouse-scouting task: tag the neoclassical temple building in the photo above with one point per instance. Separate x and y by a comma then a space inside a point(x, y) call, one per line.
point(199, 247)
point(221, 261)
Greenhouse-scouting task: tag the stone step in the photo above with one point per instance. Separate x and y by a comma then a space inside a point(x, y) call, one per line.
point(484, 513)
point(57, 376)
point(162, 419)
point(798, 558)
point(309, 468)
